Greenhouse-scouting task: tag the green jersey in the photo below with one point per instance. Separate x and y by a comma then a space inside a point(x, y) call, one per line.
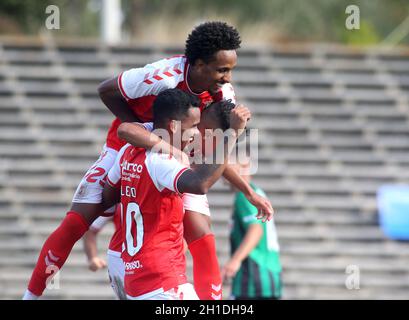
point(259, 274)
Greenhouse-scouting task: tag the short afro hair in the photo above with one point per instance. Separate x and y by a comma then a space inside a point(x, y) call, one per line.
point(221, 111)
point(173, 104)
point(209, 38)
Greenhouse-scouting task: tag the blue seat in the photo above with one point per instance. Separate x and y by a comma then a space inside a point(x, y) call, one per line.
point(393, 206)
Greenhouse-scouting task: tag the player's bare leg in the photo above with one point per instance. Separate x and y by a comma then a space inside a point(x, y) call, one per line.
point(85, 208)
point(201, 242)
point(59, 244)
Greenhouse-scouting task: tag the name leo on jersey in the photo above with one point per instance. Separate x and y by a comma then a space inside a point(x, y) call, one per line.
point(128, 191)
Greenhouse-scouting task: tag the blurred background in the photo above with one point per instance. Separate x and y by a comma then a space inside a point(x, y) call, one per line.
point(261, 21)
point(331, 106)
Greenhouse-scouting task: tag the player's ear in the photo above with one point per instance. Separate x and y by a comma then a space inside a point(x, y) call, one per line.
point(200, 64)
point(173, 126)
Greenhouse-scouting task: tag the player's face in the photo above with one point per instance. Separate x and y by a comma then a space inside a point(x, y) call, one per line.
point(189, 126)
point(208, 124)
point(218, 71)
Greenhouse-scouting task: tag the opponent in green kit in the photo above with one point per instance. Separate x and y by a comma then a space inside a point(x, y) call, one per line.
point(255, 263)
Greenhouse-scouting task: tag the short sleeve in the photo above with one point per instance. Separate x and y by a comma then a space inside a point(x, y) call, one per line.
point(151, 79)
point(164, 170)
point(196, 202)
point(148, 126)
point(100, 223)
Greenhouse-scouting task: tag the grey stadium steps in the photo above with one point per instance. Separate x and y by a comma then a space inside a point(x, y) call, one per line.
point(334, 126)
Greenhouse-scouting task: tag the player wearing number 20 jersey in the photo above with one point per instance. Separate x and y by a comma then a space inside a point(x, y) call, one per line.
point(152, 227)
point(150, 186)
point(205, 70)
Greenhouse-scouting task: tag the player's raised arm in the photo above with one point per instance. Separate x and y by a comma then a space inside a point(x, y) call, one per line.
point(262, 204)
point(140, 136)
point(201, 177)
point(120, 94)
point(137, 135)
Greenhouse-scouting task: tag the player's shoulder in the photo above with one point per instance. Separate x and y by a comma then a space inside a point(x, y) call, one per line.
point(159, 158)
point(129, 153)
point(124, 148)
point(166, 73)
point(177, 60)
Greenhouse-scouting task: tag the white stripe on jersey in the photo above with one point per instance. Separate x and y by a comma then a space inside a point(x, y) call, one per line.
point(152, 78)
point(164, 170)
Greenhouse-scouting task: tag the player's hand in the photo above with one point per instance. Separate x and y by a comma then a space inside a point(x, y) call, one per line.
point(239, 117)
point(230, 269)
point(96, 263)
point(265, 209)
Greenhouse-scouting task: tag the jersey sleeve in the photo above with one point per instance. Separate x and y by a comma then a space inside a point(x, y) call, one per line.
point(164, 170)
point(148, 126)
point(114, 174)
point(152, 78)
point(100, 223)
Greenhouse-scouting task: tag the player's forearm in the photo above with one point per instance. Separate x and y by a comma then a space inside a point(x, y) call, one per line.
point(250, 241)
point(90, 244)
point(139, 137)
point(211, 173)
point(113, 100)
point(236, 180)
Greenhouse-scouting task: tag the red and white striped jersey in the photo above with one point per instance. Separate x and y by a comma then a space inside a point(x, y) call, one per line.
point(140, 86)
point(152, 220)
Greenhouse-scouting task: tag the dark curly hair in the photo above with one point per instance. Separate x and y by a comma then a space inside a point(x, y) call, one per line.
point(173, 104)
point(221, 110)
point(209, 38)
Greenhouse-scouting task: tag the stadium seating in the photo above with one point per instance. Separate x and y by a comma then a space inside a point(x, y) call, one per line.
point(334, 127)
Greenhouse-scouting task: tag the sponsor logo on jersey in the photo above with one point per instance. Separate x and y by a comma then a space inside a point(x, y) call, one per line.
point(133, 265)
point(130, 171)
point(131, 167)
